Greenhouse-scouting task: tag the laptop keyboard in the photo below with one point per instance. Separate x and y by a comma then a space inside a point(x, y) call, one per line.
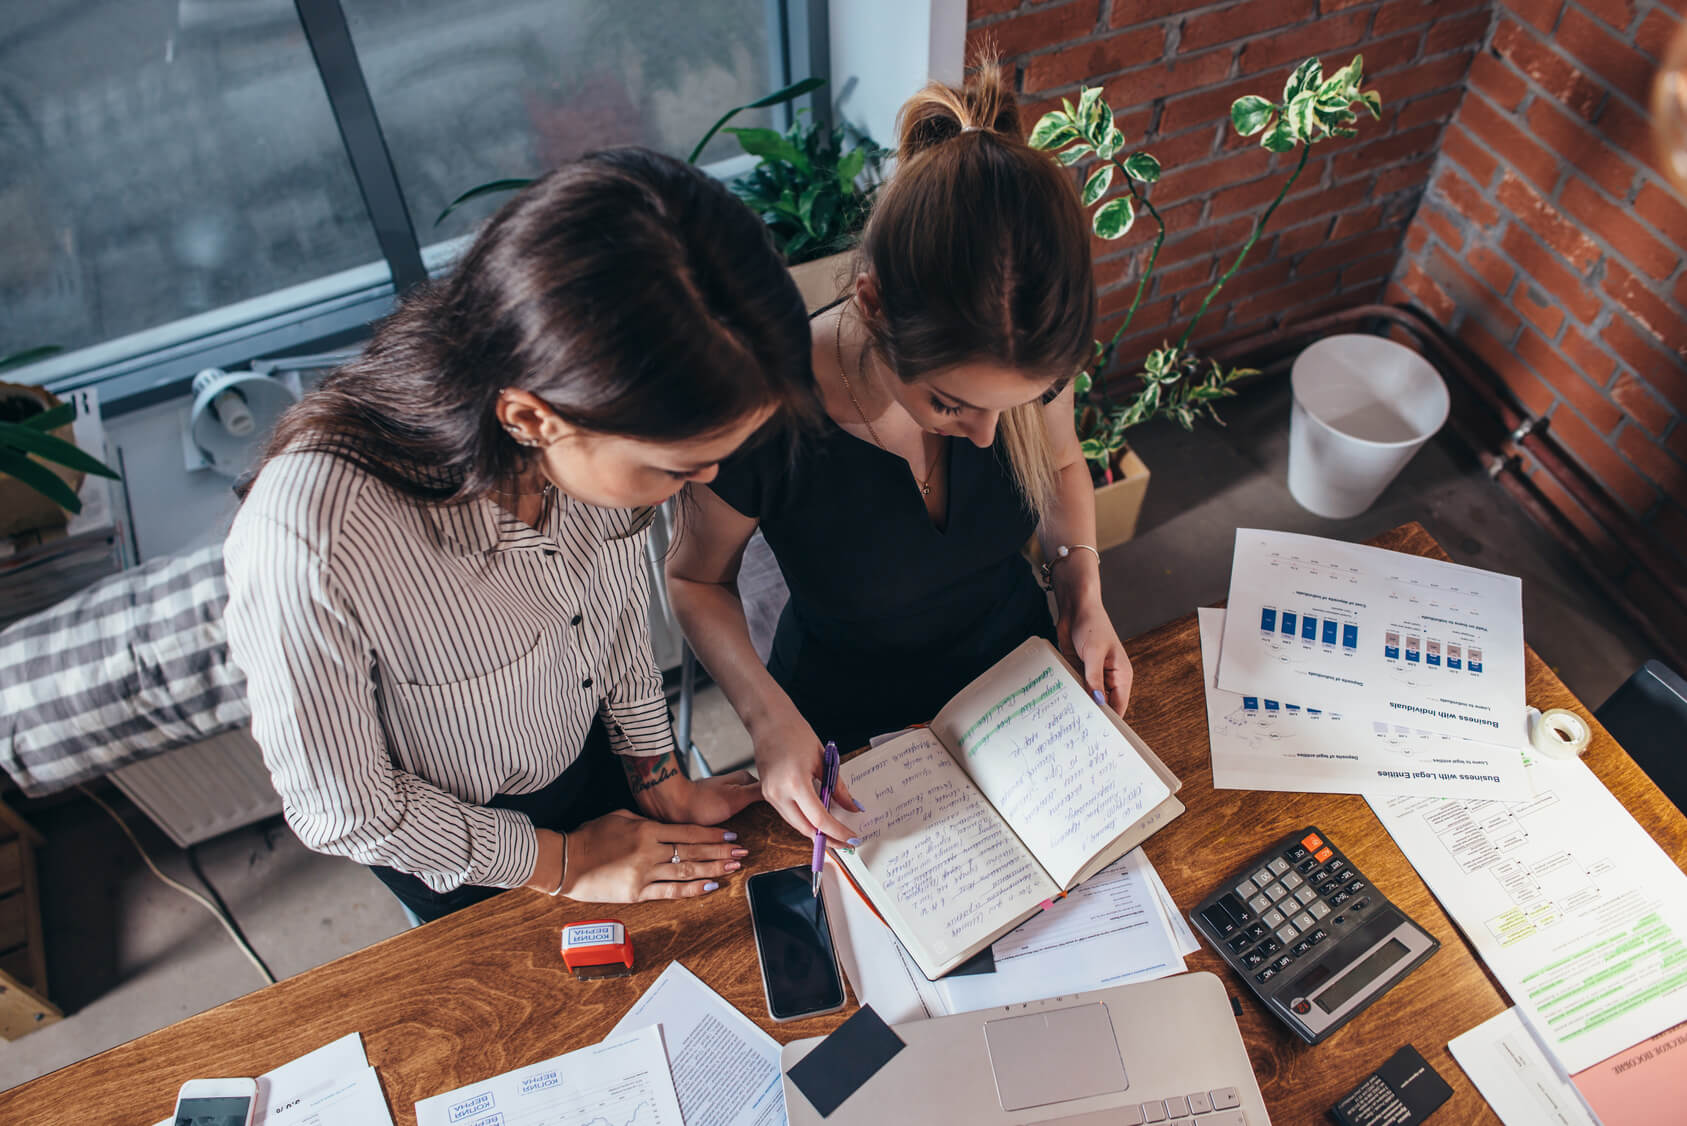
point(1198, 1108)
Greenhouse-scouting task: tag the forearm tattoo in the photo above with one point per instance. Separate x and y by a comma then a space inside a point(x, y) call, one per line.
point(646, 772)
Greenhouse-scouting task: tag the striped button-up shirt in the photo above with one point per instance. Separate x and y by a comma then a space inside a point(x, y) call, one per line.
point(407, 662)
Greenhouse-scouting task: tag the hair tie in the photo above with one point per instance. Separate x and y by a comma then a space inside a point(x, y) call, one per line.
point(972, 128)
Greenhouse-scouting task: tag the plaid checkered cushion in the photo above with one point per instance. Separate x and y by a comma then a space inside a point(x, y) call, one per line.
point(132, 667)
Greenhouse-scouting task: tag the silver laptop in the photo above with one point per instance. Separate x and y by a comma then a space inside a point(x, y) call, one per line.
point(1161, 1052)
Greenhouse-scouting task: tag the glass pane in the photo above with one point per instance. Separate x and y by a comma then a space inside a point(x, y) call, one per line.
point(160, 159)
point(471, 92)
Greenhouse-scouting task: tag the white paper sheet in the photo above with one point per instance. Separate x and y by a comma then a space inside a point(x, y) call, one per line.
point(1331, 625)
point(1109, 930)
point(1260, 743)
point(1570, 903)
point(725, 1068)
point(1187, 943)
point(1505, 1061)
point(879, 970)
point(620, 1082)
point(332, 1086)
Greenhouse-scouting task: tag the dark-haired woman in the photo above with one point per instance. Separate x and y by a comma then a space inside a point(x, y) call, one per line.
point(437, 584)
point(946, 377)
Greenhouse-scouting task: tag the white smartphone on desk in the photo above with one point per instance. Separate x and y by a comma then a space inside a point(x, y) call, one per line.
point(216, 1102)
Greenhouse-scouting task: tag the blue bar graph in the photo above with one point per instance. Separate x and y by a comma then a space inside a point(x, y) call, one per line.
point(1268, 619)
point(1350, 637)
point(1308, 628)
point(1288, 623)
point(1330, 631)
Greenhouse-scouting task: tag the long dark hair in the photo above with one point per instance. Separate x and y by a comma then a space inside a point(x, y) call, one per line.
point(980, 251)
point(630, 292)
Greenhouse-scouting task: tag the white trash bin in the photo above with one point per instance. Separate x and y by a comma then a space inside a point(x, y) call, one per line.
point(1363, 406)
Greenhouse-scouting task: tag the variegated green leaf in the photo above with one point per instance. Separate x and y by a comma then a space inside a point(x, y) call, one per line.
point(1143, 167)
point(1299, 114)
point(1074, 154)
point(1098, 183)
point(1308, 75)
point(1250, 113)
point(1110, 148)
point(1373, 102)
point(1115, 217)
point(1082, 384)
point(1094, 118)
point(1280, 137)
point(1053, 130)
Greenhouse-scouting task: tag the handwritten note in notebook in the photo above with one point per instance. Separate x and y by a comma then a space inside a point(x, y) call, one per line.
point(1021, 788)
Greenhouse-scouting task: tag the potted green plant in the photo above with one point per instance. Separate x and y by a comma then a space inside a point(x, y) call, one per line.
point(1175, 381)
point(41, 467)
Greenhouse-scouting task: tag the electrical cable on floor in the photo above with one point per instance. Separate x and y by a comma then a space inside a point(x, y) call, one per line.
point(220, 913)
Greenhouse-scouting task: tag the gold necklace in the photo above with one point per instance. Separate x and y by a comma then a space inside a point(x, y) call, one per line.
point(837, 341)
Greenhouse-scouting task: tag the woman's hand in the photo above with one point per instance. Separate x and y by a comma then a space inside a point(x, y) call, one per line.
point(665, 794)
point(1089, 641)
point(789, 758)
point(624, 858)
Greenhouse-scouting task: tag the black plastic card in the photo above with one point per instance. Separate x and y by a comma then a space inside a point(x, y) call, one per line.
point(1402, 1092)
point(841, 1063)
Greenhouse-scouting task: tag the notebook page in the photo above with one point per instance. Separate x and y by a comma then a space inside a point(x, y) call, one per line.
point(1052, 763)
point(933, 853)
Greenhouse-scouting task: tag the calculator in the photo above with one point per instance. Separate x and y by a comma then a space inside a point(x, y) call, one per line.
point(1310, 935)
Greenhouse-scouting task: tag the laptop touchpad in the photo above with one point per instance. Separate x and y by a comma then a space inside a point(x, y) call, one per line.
point(1054, 1057)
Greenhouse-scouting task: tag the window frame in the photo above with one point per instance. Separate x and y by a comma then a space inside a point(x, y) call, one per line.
point(336, 310)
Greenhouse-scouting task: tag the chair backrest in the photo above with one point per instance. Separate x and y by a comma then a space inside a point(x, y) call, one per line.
point(1648, 716)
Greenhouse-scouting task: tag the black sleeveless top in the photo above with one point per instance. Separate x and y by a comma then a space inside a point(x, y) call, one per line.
point(889, 617)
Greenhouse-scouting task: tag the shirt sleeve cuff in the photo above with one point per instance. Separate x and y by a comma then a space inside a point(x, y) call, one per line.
point(640, 727)
point(506, 849)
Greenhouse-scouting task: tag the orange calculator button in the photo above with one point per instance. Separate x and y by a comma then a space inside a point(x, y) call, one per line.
point(1322, 855)
point(1311, 842)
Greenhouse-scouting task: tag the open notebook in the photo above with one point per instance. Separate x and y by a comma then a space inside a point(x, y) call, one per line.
point(1021, 788)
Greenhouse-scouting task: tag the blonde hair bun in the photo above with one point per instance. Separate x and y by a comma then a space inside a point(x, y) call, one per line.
point(938, 112)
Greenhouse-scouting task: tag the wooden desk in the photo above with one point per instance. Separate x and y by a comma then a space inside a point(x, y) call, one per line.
point(484, 990)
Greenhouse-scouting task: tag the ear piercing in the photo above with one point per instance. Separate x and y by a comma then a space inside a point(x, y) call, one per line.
point(531, 443)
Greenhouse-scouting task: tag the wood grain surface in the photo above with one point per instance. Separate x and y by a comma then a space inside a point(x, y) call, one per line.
point(484, 991)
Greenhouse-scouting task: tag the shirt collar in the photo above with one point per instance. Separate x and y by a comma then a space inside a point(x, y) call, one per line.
point(481, 526)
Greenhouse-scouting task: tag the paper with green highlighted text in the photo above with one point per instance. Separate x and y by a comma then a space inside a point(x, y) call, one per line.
point(1577, 911)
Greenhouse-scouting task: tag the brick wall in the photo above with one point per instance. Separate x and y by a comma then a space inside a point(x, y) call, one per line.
point(1172, 68)
point(1551, 244)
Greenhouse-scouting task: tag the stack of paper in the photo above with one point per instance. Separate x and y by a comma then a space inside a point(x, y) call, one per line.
point(1339, 668)
point(1117, 927)
point(332, 1086)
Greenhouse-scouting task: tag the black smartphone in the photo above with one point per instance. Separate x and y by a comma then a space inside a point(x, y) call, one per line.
point(799, 966)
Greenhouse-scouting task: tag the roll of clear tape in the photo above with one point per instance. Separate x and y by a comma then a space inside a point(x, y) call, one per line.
point(1557, 733)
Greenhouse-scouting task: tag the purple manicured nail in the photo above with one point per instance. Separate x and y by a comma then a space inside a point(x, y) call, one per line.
point(855, 842)
point(729, 836)
point(859, 808)
point(710, 886)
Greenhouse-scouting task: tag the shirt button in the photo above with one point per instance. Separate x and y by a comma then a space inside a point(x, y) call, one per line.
point(575, 620)
point(550, 553)
point(587, 683)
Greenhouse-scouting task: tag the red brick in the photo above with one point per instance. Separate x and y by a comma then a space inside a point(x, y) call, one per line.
point(1498, 81)
point(1325, 7)
point(1664, 210)
point(1608, 556)
point(1417, 237)
point(1146, 84)
point(979, 9)
point(1035, 30)
point(1432, 297)
point(1643, 305)
point(1358, 158)
point(1089, 62)
point(1628, 130)
point(1585, 354)
point(1469, 155)
point(1538, 310)
point(1117, 301)
point(1297, 44)
point(1128, 12)
point(1258, 277)
point(1338, 254)
point(1436, 109)
point(1551, 71)
point(1283, 298)
point(1456, 33)
point(1538, 265)
point(1356, 222)
point(1536, 396)
point(1398, 179)
point(1181, 217)
point(1580, 148)
point(1464, 199)
point(1385, 55)
point(1597, 49)
point(1678, 446)
point(1656, 365)
point(1298, 240)
point(1491, 268)
point(1256, 194)
point(1224, 239)
point(1533, 350)
point(1655, 32)
point(1427, 77)
point(1398, 15)
point(1540, 217)
point(1300, 208)
point(1242, 21)
point(1615, 13)
point(1596, 455)
point(1472, 295)
point(1516, 147)
point(1213, 104)
point(1442, 227)
point(1180, 278)
point(1641, 403)
point(1610, 221)
point(1670, 524)
point(1198, 180)
point(1665, 472)
point(1368, 269)
point(1541, 14)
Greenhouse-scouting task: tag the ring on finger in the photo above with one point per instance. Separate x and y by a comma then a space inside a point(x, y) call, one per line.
point(674, 859)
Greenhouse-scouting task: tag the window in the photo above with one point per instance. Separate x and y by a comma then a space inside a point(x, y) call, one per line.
point(192, 183)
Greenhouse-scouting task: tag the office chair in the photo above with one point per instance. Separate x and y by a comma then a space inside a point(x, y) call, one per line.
point(1648, 716)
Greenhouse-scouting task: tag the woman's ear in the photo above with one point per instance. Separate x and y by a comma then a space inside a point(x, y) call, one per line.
point(527, 419)
point(867, 297)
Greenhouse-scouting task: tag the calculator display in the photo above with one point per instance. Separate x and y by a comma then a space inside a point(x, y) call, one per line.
point(1361, 975)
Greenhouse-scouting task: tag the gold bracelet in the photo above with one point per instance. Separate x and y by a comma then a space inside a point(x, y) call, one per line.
point(563, 879)
point(1061, 554)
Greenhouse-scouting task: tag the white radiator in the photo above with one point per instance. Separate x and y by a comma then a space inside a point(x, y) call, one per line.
point(197, 792)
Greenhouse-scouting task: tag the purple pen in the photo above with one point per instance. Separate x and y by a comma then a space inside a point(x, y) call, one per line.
point(829, 763)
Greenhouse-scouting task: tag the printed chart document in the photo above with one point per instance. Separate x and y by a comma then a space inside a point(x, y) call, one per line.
point(332, 1086)
point(1642, 1085)
point(1581, 916)
point(1378, 634)
point(1259, 743)
point(1109, 930)
point(1022, 788)
point(1505, 1061)
point(725, 1069)
point(620, 1082)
